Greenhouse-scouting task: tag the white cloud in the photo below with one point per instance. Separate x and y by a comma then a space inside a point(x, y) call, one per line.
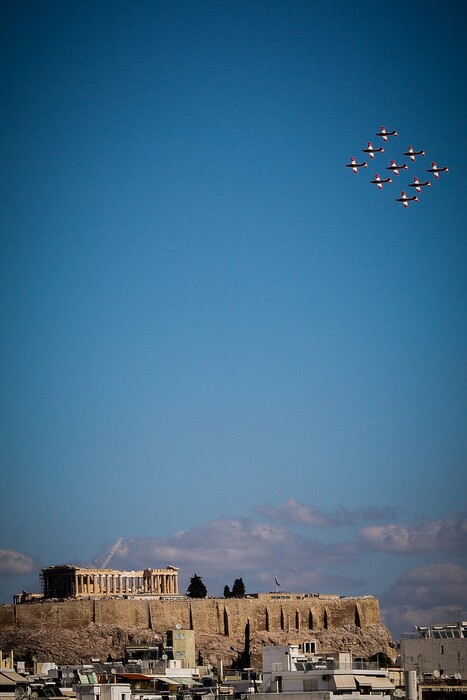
point(387, 538)
point(426, 536)
point(15, 563)
point(292, 511)
point(268, 533)
point(295, 512)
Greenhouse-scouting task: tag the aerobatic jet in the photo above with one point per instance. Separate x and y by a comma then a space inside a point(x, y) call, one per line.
point(382, 132)
point(436, 171)
point(405, 200)
point(354, 165)
point(395, 168)
point(411, 153)
point(371, 151)
point(377, 181)
point(418, 185)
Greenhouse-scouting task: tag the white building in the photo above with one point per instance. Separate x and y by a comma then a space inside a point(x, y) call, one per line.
point(287, 670)
point(102, 691)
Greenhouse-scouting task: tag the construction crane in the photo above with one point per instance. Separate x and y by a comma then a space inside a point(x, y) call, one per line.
point(109, 554)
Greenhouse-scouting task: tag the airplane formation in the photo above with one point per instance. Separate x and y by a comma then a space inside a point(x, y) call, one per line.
point(394, 168)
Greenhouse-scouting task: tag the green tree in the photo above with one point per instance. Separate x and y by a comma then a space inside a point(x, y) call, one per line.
point(196, 589)
point(238, 589)
point(227, 593)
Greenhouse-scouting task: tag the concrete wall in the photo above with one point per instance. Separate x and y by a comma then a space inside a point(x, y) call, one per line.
point(212, 615)
point(448, 656)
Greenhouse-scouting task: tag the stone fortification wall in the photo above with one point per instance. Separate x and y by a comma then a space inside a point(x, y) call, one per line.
point(75, 631)
point(228, 617)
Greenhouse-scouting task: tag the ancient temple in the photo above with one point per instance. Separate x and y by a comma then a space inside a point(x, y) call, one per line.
point(69, 581)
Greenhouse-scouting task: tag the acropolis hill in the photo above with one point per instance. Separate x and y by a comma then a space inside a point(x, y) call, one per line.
point(74, 630)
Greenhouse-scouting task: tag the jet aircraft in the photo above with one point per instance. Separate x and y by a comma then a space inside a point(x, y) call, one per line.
point(405, 200)
point(436, 171)
point(395, 168)
point(371, 151)
point(382, 132)
point(411, 153)
point(418, 185)
point(377, 181)
point(354, 165)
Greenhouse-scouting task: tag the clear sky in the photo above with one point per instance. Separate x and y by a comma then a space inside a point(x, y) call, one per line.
point(217, 341)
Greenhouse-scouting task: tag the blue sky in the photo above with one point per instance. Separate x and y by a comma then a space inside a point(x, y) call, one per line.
point(217, 341)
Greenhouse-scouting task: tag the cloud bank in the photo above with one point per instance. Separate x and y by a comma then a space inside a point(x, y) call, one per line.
point(292, 511)
point(258, 551)
point(426, 595)
point(312, 550)
point(291, 541)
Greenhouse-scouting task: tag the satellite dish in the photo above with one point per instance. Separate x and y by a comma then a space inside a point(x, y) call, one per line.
point(34, 694)
point(113, 670)
point(457, 676)
point(178, 626)
point(436, 673)
point(399, 693)
point(165, 657)
point(19, 692)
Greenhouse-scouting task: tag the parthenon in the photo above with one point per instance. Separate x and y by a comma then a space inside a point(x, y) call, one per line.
point(69, 581)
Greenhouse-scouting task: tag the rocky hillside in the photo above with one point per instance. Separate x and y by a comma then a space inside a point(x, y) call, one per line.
point(66, 646)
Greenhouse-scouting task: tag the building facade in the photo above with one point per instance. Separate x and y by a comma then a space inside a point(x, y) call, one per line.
point(436, 651)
